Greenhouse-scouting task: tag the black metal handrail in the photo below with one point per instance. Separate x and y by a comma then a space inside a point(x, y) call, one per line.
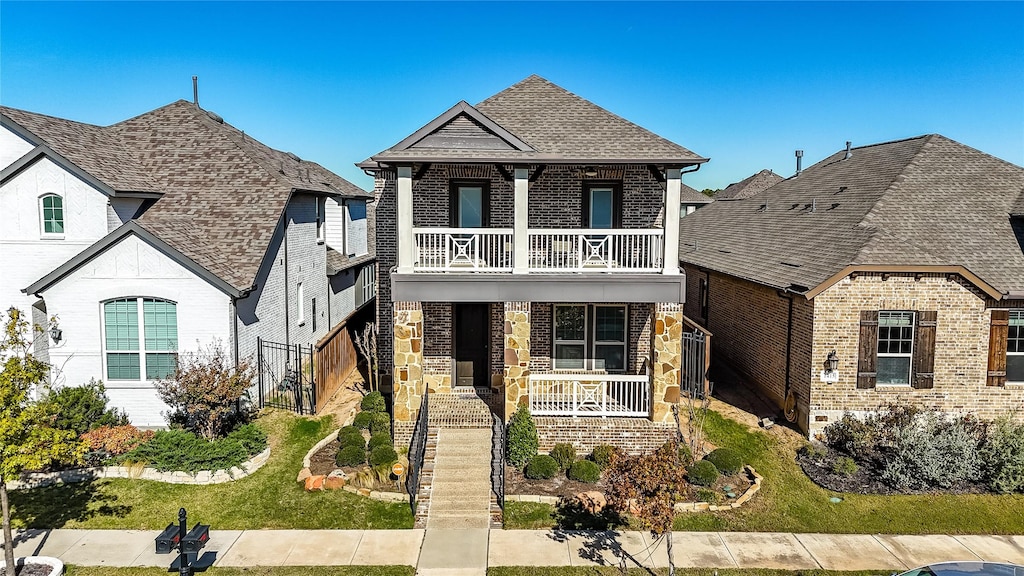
point(417, 451)
point(498, 459)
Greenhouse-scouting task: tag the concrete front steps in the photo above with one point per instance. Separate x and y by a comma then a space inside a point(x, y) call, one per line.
point(460, 495)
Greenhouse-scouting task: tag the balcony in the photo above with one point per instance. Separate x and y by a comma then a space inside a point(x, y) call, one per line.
point(549, 251)
point(590, 395)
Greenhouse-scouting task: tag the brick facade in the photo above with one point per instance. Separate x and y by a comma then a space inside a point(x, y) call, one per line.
point(633, 435)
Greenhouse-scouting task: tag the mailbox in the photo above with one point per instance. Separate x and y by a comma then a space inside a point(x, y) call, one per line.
point(168, 540)
point(196, 538)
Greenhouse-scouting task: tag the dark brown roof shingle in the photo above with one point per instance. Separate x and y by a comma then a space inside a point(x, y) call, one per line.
point(749, 186)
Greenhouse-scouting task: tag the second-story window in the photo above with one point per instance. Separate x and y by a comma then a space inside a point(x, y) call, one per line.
point(321, 217)
point(602, 205)
point(51, 214)
point(469, 204)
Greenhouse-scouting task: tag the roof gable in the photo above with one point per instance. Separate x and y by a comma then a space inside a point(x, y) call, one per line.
point(463, 127)
point(749, 186)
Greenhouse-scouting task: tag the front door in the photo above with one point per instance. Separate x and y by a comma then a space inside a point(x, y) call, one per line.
point(472, 341)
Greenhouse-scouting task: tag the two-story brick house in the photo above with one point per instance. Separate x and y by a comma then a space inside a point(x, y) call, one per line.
point(164, 233)
point(525, 257)
point(890, 273)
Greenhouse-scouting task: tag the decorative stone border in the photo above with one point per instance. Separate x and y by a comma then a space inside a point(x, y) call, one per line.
point(201, 478)
point(374, 494)
point(755, 485)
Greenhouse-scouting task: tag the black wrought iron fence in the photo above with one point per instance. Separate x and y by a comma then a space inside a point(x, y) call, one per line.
point(417, 451)
point(694, 365)
point(286, 376)
point(498, 459)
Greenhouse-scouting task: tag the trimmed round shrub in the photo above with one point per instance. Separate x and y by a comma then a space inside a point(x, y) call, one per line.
point(522, 437)
point(702, 473)
point(541, 466)
point(602, 455)
point(349, 430)
point(380, 423)
point(362, 420)
point(727, 461)
point(350, 456)
point(585, 471)
point(373, 402)
point(564, 454)
point(352, 440)
point(381, 439)
point(383, 455)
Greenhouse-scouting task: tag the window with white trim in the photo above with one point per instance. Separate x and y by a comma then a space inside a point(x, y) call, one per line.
point(895, 347)
point(321, 220)
point(590, 337)
point(157, 334)
point(300, 297)
point(1015, 348)
point(51, 215)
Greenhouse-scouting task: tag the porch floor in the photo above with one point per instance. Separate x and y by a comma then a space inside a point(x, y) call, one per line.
point(462, 409)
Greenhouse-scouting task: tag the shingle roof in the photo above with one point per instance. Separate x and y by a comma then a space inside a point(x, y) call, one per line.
point(689, 195)
point(223, 192)
point(1018, 208)
point(560, 127)
point(925, 201)
point(749, 186)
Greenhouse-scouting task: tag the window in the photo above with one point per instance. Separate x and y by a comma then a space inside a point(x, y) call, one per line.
point(321, 224)
point(157, 358)
point(312, 312)
point(469, 204)
point(602, 205)
point(1015, 348)
point(51, 212)
point(703, 298)
point(895, 347)
point(589, 337)
point(300, 297)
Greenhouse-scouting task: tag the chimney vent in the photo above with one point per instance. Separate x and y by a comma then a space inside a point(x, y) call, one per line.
point(848, 153)
point(799, 159)
point(195, 90)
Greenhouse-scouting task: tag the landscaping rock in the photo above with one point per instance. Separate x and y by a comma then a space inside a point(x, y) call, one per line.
point(303, 474)
point(338, 473)
point(315, 483)
point(592, 502)
point(334, 483)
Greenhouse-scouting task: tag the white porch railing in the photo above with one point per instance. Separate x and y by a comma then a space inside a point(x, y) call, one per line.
point(589, 250)
point(463, 249)
point(590, 395)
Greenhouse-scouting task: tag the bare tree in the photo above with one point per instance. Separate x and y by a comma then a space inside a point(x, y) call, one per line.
point(366, 342)
point(696, 414)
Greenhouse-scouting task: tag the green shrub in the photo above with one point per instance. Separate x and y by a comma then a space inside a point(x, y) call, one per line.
point(541, 466)
point(1003, 456)
point(182, 450)
point(708, 495)
point(564, 454)
point(844, 466)
point(685, 455)
point(584, 471)
point(930, 451)
point(83, 408)
point(251, 437)
point(373, 402)
point(350, 456)
point(812, 451)
point(602, 455)
point(522, 437)
point(350, 431)
point(850, 435)
point(382, 455)
point(380, 423)
point(702, 473)
point(382, 439)
point(727, 461)
point(362, 420)
point(352, 440)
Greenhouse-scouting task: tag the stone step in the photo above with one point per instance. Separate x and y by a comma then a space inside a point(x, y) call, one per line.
point(455, 490)
point(476, 506)
point(457, 521)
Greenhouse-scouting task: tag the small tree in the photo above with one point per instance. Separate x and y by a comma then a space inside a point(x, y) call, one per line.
point(522, 437)
point(27, 439)
point(205, 390)
point(648, 487)
point(696, 415)
point(366, 342)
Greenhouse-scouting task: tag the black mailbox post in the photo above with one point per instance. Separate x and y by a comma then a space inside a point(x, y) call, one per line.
point(188, 542)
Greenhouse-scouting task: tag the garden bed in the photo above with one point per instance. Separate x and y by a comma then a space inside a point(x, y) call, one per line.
point(322, 462)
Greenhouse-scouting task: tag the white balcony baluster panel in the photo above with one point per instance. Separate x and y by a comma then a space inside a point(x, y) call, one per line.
point(596, 250)
point(463, 249)
point(590, 395)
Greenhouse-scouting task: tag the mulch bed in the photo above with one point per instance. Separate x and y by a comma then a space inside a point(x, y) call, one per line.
point(867, 478)
point(322, 463)
point(32, 570)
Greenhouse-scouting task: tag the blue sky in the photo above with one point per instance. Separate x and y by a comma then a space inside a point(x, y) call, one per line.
point(742, 83)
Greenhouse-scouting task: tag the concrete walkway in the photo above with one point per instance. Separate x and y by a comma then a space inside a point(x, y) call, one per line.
point(477, 549)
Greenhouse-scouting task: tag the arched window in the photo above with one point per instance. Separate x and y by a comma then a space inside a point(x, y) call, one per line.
point(51, 213)
point(131, 349)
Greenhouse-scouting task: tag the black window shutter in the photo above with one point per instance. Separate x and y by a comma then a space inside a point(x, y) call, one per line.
point(924, 350)
point(867, 373)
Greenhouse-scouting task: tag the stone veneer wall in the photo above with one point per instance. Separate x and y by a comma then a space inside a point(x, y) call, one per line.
point(667, 345)
point(408, 366)
point(517, 355)
point(961, 347)
point(633, 435)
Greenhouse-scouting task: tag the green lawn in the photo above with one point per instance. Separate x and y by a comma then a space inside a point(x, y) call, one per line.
point(790, 502)
point(255, 571)
point(270, 498)
point(614, 571)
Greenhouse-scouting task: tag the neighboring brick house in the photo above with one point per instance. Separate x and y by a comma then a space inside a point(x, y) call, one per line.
point(531, 262)
point(903, 259)
point(165, 232)
point(690, 200)
point(749, 186)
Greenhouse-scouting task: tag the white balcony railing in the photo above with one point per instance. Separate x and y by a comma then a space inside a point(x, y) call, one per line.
point(463, 249)
point(548, 250)
point(590, 395)
point(588, 250)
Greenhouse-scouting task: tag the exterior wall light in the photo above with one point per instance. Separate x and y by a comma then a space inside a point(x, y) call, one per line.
point(830, 374)
point(56, 334)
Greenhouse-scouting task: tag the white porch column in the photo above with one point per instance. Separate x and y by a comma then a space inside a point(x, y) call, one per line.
point(406, 250)
point(673, 184)
point(520, 237)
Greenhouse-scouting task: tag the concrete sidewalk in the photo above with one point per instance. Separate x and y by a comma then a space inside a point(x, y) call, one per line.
point(526, 548)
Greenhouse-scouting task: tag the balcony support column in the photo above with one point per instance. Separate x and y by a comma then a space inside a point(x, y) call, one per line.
point(673, 187)
point(406, 240)
point(520, 235)
point(516, 385)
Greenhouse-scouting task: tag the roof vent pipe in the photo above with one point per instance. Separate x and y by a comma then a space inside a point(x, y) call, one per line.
point(799, 159)
point(848, 153)
point(195, 90)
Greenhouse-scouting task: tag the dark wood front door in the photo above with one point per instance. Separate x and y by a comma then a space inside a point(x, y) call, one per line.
point(471, 345)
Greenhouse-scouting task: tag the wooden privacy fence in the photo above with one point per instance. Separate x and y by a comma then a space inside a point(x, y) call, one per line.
point(334, 360)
